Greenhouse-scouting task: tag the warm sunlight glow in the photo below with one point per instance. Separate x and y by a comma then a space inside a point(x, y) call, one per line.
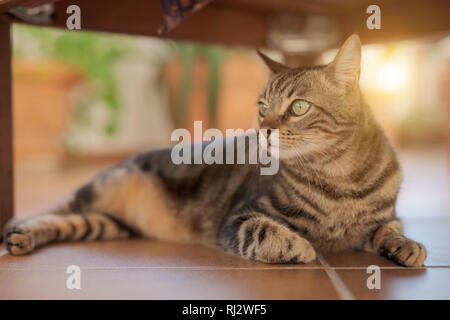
point(392, 76)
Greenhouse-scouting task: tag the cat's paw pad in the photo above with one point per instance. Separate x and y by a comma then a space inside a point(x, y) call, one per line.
point(19, 240)
point(404, 251)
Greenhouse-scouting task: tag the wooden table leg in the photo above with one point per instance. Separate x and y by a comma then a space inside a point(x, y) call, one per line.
point(6, 127)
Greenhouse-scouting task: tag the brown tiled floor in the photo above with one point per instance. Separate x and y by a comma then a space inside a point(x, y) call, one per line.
point(141, 268)
point(427, 283)
point(146, 269)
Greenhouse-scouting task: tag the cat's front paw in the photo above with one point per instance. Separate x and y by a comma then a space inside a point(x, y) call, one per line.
point(19, 240)
point(302, 252)
point(404, 251)
point(290, 250)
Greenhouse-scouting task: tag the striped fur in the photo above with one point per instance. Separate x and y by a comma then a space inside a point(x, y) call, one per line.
point(336, 188)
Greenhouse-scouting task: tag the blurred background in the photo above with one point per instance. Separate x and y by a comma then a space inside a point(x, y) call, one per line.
point(84, 101)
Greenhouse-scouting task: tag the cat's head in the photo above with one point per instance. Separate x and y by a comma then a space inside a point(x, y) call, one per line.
point(313, 107)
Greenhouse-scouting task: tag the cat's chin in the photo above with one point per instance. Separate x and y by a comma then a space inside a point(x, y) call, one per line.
point(287, 154)
point(282, 153)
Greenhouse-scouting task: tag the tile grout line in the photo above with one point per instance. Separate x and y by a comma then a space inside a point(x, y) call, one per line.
point(342, 290)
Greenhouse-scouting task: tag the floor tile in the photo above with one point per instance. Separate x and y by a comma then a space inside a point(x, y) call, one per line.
point(429, 283)
point(134, 253)
point(359, 260)
point(169, 284)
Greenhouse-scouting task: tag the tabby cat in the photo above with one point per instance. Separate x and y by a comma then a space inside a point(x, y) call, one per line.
point(336, 187)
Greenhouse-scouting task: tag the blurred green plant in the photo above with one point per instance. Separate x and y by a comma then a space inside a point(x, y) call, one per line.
point(94, 54)
point(188, 53)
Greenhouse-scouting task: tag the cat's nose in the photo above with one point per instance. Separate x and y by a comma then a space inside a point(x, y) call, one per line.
point(269, 124)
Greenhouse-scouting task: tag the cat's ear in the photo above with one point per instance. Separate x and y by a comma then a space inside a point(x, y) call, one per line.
point(274, 66)
point(346, 65)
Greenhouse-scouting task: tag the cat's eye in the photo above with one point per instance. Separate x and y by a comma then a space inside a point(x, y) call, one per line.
point(263, 109)
point(300, 107)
